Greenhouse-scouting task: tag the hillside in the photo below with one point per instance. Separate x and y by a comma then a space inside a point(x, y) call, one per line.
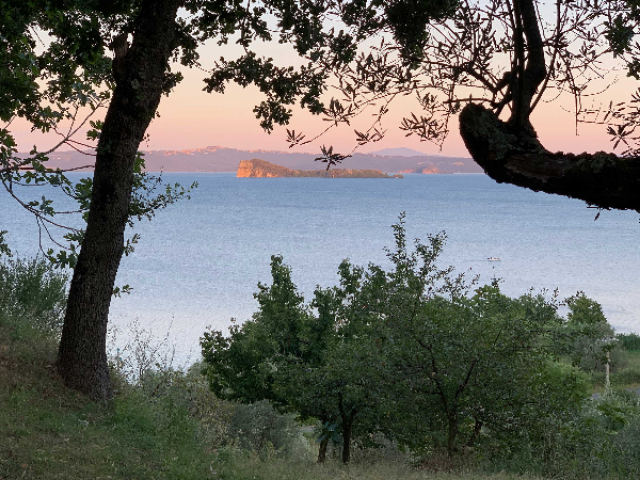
point(263, 169)
point(218, 159)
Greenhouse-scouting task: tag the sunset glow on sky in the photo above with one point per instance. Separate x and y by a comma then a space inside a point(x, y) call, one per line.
point(191, 118)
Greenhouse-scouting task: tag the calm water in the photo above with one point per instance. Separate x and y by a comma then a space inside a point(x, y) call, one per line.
point(198, 262)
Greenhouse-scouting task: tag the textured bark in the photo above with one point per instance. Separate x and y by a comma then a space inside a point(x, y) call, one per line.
point(515, 155)
point(510, 152)
point(139, 73)
point(531, 69)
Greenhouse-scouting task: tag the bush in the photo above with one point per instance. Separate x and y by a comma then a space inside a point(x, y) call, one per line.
point(144, 371)
point(629, 341)
point(589, 356)
point(627, 450)
point(259, 428)
point(601, 442)
point(33, 293)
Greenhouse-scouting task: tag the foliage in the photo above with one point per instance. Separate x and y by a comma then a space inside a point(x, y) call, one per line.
point(463, 362)
point(588, 337)
point(409, 352)
point(629, 341)
point(165, 423)
point(477, 54)
point(4, 248)
point(599, 442)
point(258, 427)
point(30, 289)
point(316, 366)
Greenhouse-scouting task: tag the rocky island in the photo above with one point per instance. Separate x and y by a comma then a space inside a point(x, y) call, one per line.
point(264, 169)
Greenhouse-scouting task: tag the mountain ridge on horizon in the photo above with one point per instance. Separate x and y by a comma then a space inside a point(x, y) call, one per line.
point(225, 159)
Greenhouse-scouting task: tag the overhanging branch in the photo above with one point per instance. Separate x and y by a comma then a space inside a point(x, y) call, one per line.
point(516, 156)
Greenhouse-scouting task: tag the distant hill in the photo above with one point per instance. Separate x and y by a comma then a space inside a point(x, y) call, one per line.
point(398, 152)
point(219, 159)
point(262, 169)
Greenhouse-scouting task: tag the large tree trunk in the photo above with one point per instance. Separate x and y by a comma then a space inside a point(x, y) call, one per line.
point(515, 155)
point(140, 74)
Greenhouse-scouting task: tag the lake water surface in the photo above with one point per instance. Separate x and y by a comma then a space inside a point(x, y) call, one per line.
point(198, 262)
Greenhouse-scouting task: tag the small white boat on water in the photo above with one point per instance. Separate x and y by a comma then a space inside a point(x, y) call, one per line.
point(494, 259)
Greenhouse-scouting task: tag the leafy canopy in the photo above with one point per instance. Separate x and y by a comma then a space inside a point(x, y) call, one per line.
point(413, 352)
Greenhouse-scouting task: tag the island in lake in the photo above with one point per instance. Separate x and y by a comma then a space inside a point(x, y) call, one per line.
point(264, 169)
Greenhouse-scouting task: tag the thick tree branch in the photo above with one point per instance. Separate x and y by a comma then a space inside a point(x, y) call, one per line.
point(533, 74)
point(512, 155)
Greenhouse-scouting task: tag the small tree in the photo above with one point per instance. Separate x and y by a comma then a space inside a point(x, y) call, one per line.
point(591, 337)
point(481, 361)
point(458, 360)
point(319, 364)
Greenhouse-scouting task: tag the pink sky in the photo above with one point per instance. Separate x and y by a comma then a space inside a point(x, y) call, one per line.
point(191, 118)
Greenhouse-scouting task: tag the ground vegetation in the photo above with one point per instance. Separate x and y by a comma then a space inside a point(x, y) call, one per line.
point(164, 422)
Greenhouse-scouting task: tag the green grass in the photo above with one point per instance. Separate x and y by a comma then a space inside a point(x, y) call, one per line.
point(233, 465)
point(51, 432)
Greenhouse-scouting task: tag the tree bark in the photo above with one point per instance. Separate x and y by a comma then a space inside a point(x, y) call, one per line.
point(140, 74)
point(453, 433)
point(515, 155)
point(510, 152)
point(322, 452)
point(530, 67)
point(347, 429)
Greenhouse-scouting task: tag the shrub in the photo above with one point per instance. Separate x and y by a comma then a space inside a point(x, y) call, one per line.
point(144, 371)
point(33, 295)
point(629, 341)
point(259, 428)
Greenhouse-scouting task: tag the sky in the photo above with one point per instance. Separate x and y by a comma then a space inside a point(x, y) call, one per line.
point(191, 118)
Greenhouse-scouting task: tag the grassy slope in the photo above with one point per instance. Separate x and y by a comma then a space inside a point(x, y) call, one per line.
point(51, 432)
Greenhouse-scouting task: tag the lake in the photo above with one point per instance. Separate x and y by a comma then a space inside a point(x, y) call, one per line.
point(198, 262)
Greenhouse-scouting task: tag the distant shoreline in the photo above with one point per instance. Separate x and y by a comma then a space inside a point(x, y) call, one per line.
point(220, 160)
point(258, 168)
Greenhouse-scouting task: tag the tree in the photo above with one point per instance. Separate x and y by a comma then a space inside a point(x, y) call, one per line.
point(77, 70)
point(459, 360)
point(479, 362)
point(494, 63)
point(592, 343)
point(509, 151)
point(324, 365)
point(409, 352)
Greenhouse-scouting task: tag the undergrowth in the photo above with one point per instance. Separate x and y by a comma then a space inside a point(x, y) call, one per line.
point(164, 422)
